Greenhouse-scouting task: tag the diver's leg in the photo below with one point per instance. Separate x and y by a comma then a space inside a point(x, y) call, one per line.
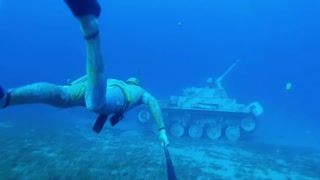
point(44, 93)
point(88, 12)
point(96, 84)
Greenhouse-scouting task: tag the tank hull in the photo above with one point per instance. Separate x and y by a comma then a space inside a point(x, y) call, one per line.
point(203, 123)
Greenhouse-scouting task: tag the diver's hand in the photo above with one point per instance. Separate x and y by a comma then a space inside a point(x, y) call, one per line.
point(163, 137)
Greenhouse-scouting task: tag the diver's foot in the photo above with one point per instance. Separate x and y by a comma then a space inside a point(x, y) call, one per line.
point(89, 26)
point(88, 13)
point(1, 93)
point(80, 8)
point(4, 98)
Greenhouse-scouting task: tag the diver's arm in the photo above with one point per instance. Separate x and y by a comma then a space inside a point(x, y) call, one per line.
point(157, 115)
point(154, 107)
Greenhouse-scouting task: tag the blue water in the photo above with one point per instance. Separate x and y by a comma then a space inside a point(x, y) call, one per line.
point(177, 44)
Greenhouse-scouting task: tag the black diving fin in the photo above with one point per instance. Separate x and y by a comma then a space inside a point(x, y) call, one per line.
point(101, 120)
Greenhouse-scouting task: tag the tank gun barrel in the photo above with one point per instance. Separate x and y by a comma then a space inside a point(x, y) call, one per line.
point(218, 81)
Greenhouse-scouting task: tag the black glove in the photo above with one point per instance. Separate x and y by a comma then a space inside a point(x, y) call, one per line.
point(84, 7)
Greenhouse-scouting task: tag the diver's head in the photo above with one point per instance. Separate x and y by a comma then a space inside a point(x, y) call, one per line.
point(134, 81)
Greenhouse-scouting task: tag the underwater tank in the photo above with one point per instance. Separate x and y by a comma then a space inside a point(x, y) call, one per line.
point(208, 111)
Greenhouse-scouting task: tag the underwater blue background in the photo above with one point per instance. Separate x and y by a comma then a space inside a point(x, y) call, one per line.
point(177, 44)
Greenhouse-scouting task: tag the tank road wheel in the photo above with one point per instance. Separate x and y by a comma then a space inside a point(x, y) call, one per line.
point(214, 132)
point(195, 131)
point(177, 129)
point(144, 116)
point(248, 124)
point(232, 133)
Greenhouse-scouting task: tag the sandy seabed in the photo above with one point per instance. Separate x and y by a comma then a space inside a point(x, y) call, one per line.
point(76, 152)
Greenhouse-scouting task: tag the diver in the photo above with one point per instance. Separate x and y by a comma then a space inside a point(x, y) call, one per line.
point(96, 92)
